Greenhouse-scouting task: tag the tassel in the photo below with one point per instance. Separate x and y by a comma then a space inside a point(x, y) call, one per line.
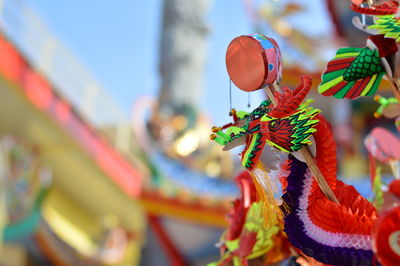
point(266, 190)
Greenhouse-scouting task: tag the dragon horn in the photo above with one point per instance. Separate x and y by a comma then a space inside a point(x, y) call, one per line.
point(304, 87)
point(289, 101)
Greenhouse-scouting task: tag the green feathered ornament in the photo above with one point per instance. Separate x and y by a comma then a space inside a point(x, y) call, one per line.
point(356, 72)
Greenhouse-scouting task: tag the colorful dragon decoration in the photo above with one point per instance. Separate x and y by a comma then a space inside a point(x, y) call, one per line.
point(247, 236)
point(383, 147)
point(356, 72)
point(335, 234)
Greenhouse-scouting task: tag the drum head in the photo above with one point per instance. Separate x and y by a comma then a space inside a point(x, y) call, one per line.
point(253, 61)
point(383, 145)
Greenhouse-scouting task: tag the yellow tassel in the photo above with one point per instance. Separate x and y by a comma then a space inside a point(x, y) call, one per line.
point(266, 190)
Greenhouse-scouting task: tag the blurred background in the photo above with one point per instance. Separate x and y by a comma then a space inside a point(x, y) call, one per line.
point(105, 112)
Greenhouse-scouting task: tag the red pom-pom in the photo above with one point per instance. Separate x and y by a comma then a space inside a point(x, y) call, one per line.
point(386, 237)
point(394, 187)
point(386, 46)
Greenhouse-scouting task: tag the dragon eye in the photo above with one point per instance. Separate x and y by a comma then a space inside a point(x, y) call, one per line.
point(256, 114)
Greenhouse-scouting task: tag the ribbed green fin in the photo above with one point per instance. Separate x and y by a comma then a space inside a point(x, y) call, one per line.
point(389, 26)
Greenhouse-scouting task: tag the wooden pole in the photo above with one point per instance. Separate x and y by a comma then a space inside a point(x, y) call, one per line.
point(395, 88)
point(306, 153)
point(319, 177)
point(394, 84)
point(395, 168)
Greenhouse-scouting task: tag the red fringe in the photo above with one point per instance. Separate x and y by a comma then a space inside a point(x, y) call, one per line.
point(388, 8)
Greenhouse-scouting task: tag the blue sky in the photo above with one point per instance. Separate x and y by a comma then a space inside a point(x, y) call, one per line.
point(118, 42)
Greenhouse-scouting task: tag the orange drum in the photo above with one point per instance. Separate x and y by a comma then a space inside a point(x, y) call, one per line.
point(253, 61)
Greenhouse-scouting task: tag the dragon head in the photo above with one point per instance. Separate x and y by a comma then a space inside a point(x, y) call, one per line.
point(287, 125)
point(254, 118)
